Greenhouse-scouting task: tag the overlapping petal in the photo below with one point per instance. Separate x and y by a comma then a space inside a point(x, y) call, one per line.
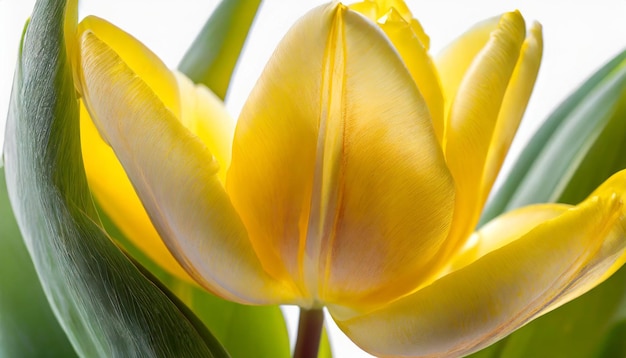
point(204, 114)
point(513, 107)
point(336, 105)
point(200, 111)
point(522, 277)
point(138, 58)
point(476, 106)
point(478, 123)
point(115, 194)
point(508, 228)
point(411, 42)
point(196, 221)
point(454, 61)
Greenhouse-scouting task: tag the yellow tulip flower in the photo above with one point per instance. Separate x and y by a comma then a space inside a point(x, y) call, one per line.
point(352, 180)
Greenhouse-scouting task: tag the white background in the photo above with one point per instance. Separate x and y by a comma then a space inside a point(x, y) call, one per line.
point(579, 36)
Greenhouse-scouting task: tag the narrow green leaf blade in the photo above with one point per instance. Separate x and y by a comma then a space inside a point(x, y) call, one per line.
point(213, 55)
point(28, 328)
point(106, 306)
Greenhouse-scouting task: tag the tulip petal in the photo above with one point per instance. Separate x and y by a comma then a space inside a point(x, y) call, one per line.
point(482, 302)
point(472, 121)
point(415, 56)
point(138, 58)
point(506, 229)
point(115, 194)
point(454, 60)
point(409, 39)
point(205, 115)
point(196, 220)
point(199, 109)
point(336, 170)
point(513, 106)
point(201, 112)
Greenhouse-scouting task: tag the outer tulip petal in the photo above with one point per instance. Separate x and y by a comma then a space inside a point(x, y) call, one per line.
point(409, 39)
point(201, 112)
point(473, 119)
point(482, 302)
point(196, 106)
point(138, 58)
point(334, 106)
point(114, 192)
point(615, 184)
point(196, 221)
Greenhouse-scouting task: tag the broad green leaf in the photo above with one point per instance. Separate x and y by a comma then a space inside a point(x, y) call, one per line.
point(107, 307)
point(244, 331)
point(214, 53)
point(581, 144)
point(28, 327)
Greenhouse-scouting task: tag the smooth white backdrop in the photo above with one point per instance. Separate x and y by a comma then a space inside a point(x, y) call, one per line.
point(579, 36)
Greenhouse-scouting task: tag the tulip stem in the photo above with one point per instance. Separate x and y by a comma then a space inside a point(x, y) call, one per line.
point(309, 333)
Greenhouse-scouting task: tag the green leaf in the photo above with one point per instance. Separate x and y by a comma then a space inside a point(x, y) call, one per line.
point(214, 53)
point(581, 145)
point(107, 307)
point(244, 331)
point(28, 327)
